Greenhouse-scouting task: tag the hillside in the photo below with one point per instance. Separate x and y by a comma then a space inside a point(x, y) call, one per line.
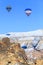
point(26, 46)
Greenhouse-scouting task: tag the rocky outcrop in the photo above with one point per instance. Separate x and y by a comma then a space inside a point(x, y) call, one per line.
point(12, 54)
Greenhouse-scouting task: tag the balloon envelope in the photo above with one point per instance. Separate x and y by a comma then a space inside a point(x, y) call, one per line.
point(8, 8)
point(24, 47)
point(28, 11)
point(8, 34)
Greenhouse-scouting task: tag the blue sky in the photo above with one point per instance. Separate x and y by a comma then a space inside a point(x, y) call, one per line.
point(16, 20)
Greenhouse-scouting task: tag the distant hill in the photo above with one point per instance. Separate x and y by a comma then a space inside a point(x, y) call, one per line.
point(28, 38)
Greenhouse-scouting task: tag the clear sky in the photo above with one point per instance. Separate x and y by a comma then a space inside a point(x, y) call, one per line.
point(16, 20)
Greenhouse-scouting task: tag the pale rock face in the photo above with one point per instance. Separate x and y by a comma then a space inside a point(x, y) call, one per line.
point(33, 54)
point(28, 39)
point(40, 46)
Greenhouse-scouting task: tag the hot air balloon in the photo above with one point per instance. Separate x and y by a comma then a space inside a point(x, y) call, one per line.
point(24, 47)
point(28, 11)
point(8, 34)
point(8, 8)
